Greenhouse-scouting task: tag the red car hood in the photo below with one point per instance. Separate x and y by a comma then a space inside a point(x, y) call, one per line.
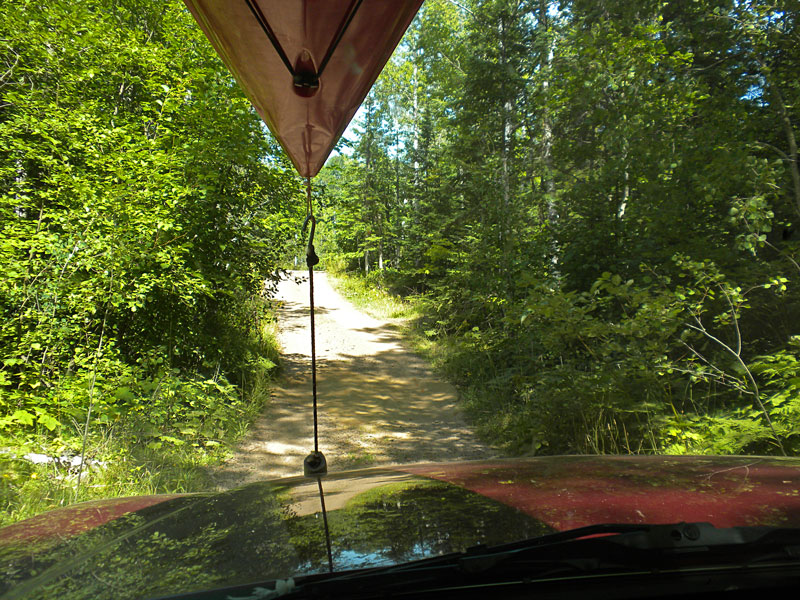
point(573, 491)
point(155, 545)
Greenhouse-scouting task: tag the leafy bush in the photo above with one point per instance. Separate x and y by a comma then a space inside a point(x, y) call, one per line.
point(141, 210)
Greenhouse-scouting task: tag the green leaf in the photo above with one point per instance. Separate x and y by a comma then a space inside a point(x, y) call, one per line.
point(23, 417)
point(48, 421)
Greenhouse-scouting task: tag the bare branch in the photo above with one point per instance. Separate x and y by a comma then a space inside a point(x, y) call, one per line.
point(700, 328)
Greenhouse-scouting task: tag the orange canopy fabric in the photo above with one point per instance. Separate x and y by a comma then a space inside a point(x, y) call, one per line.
point(350, 39)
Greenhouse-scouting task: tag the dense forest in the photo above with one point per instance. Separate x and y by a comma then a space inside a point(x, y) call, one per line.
point(142, 206)
point(596, 204)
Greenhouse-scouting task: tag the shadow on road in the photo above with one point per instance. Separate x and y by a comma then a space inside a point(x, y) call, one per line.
point(375, 410)
point(379, 404)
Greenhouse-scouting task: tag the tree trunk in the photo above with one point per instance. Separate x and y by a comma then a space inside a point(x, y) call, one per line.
point(367, 166)
point(548, 184)
point(506, 134)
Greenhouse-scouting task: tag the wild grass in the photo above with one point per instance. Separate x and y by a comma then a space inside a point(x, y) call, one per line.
point(28, 489)
point(139, 453)
point(370, 296)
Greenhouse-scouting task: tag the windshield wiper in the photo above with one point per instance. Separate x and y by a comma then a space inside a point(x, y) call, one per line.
point(633, 543)
point(597, 550)
point(598, 561)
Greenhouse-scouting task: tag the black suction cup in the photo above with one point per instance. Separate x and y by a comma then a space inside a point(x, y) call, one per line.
point(315, 464)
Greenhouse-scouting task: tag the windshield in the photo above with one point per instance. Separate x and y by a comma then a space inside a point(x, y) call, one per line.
point(553, 230)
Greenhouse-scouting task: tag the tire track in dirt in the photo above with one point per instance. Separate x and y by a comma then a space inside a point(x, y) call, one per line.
point(379, 403)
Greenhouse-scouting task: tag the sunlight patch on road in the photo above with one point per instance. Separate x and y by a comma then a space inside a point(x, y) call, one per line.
point(281, 448)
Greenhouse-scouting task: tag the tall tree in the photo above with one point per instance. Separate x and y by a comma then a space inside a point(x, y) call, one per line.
point(141, 204)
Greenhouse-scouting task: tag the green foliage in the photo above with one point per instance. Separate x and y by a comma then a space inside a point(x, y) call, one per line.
point(596, 204)
point(141, 209)
point(373, 295)
point(150, 436)
point(780, 374)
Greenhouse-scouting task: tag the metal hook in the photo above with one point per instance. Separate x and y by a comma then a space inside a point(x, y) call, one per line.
point(311, 256)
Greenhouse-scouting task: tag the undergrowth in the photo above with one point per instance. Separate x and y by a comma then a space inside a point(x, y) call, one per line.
point(157, 435)
point(660, 366)
point(372, 294)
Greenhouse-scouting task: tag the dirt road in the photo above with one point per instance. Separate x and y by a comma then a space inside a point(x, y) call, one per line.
point(378, 402)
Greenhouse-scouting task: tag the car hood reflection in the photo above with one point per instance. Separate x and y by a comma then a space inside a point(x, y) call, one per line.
point(270, 530)
point(151, 546)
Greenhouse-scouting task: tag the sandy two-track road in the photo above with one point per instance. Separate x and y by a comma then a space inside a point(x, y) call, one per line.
point(379, 403)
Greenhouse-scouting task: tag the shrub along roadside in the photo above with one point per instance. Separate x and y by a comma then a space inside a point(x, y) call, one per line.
point(662, 364)
point(142, 206)
point(153, 435)
point(523, 208)
point(372, 295)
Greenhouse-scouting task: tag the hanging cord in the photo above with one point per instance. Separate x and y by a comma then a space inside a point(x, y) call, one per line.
point(314, 463)
point(262, 20)
point(304, 80)
point(325, 524)
point(351, 12)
